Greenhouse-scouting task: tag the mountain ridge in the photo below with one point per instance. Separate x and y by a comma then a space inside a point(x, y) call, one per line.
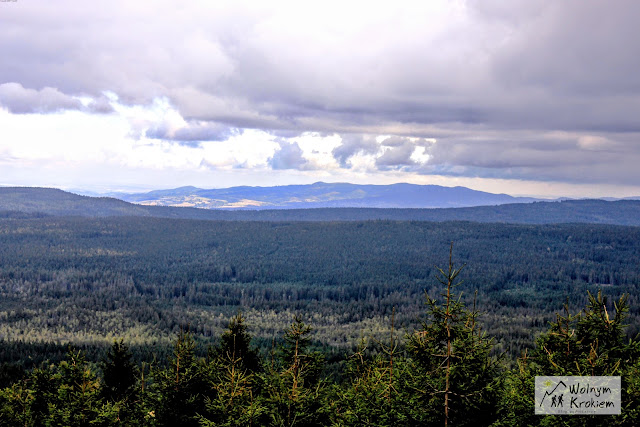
point(322, 195)
point(32, 202)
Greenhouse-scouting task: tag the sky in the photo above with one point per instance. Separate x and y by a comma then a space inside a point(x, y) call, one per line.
point(524, 97)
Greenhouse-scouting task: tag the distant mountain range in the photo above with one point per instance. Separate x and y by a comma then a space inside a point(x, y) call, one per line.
point(323, 195)
point(26, 202)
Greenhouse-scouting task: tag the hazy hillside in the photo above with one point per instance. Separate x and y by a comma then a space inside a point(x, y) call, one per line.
point(323, 195)
point(29, 202)
point(51, 201)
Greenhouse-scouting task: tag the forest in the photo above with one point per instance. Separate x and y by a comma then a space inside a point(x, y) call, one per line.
point(443, 374)
point(307, 323)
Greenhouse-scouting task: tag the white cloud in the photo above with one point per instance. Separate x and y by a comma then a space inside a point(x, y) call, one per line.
point(543, 91)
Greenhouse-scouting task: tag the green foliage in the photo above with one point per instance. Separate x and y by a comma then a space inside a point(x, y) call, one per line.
point(120, 384)
point(516, 402)
point(64, 395)
point(446, 376)
point(78, 399)
point(592, 342)
point(455, 374)
point(235, 399)
point(235, 345)
point(301, 365)
point(95, 280)
point(44, 383)
point(15, 406)
point(119, 373)
point(180, 386)
point(294, 393)
point(375, 394)
point(232, 374)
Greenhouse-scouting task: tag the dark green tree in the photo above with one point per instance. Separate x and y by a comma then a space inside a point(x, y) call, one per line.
point(44, 384)
point(15, 405)
point(373, 394)
point(119, 373)
point(592, 342)
point(180, 386)
point(455, 375)
point(235, 343)
point(294, 393)
point(78, 402)
point(232, 380)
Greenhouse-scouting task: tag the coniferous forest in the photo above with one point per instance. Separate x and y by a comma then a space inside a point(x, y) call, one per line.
point(148, 321)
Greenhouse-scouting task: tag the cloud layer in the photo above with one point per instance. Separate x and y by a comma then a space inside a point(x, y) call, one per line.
point(541, 91)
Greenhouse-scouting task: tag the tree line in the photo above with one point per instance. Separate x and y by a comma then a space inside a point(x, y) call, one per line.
point(444, 372)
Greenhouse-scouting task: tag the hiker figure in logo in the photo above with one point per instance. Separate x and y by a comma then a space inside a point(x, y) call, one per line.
point(557, 400)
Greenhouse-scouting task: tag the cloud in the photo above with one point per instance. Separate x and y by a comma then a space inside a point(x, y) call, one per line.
point(352, 145)
point(288, 156)
point(542, 90)
point(549, 65)
point(549, 156)
point(404, 153)
point(388, 153)
point(100, 105)
point(552, 65)
point(397, 156)
point(20, 100)
point(192, 132)
point(596, 143)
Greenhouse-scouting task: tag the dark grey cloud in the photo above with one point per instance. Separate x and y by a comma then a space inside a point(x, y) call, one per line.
point(398, 152)
point(286, 134)
point(354, 144)
point(396, 158)
point(288, 156)
point(101, 105)
point(586, 48)
point(564, 157)
point(395, 141)
point(20, 100)
point(194, 132)
point(562, 65)
point(397, 155)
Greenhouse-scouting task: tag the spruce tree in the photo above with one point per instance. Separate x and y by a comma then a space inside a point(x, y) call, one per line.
point(592, 342)
point(232, 380)
point(180, 386)
point(294, 393)
point(456, 379)
point(235, 343)
point(119, 373)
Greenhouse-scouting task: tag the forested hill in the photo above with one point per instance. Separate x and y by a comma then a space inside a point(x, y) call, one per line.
point(54, 202)
point(323, 195)
point(29, 202)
